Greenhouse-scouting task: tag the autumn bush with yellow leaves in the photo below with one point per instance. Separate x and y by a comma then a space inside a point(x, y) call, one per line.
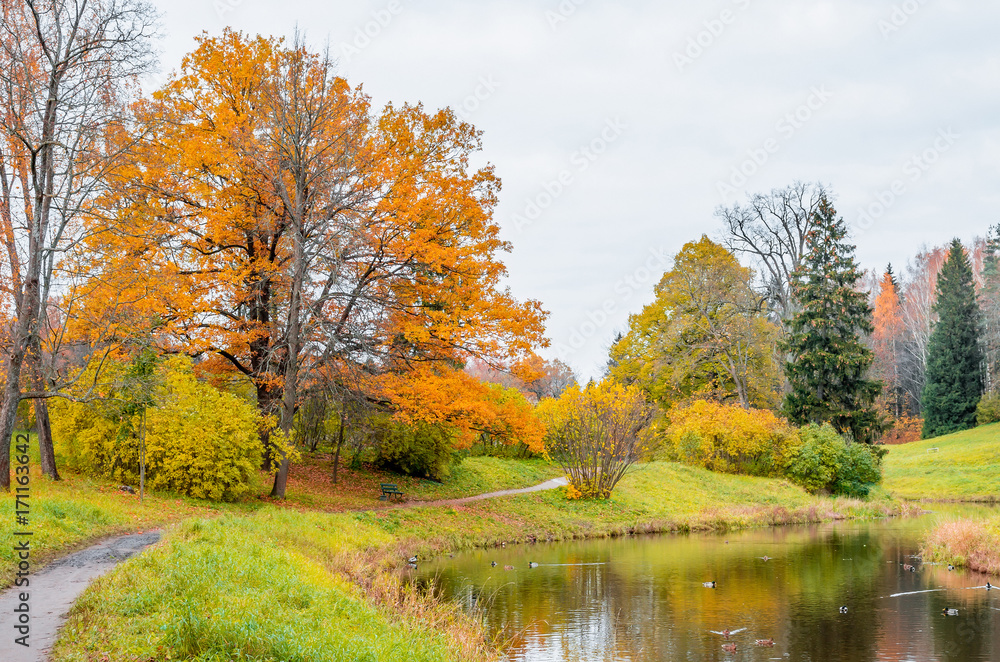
point(200, 441)
point(730, 439)
point(756, 442)
point(596, 434)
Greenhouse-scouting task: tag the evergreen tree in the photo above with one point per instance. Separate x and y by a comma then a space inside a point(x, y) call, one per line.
point(954, 357)
point(828, 362)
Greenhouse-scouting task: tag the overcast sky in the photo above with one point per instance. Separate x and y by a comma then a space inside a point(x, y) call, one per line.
point(618, 128)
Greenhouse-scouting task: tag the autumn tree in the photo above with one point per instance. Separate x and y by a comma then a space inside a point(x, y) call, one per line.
point(705, 335)
point(65, 71)
point(827, 371)
point(286, 228)
point(954, 357)
point(887, 343)
point(771, 229)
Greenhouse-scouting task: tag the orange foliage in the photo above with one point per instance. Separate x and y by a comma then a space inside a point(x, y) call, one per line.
point(904, 430)
point(402, 283)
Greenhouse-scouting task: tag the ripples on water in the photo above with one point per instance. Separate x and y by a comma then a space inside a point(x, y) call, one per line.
point(643, 598)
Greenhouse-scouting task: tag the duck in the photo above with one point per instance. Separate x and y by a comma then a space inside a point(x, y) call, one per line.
point(729, 647)
point(710, 584)
point(843, 609)
point(727, 632)
point(532, 564)
point(907, 566)
point(412, 559)
point(508, 567)
point(765, 557)
point(494, 564)
point(951, 567)
point(764, 642)
point(989, 586)
point(949, 611)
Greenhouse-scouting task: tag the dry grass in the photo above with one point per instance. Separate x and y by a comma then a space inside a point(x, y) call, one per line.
point(971, 543)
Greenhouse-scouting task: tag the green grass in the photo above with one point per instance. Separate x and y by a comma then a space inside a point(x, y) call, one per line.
point(283, 584)
point(263, 587)
point(66, 514)
point(965, 467)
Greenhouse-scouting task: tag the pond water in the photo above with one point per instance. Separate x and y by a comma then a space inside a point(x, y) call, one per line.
point(643, 598)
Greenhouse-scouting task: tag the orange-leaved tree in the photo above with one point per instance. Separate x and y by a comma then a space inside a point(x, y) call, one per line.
point(290, 231)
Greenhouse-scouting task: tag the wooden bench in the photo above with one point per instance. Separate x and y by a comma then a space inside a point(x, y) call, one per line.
point(389, 490)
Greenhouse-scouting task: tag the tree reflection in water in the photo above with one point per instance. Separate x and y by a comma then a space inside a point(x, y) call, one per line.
point(643, 598)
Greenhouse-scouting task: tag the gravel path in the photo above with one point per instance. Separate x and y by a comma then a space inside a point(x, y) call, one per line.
point(53, 590)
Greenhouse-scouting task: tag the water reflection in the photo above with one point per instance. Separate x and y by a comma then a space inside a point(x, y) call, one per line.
point(644, 599)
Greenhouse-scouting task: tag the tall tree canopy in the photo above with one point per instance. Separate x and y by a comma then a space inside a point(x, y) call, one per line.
point(887, 343)
point(829, 362)
point(954, 357)
point(705, 335)
point(284, 228)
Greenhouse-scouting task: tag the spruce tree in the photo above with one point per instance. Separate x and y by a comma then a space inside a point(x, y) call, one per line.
point(954, 357)
point(828, 362)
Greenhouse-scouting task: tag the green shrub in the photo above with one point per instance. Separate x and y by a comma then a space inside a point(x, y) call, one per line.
point(200, 441)
point(825, 462)
point(988, 409)
point(420, 449)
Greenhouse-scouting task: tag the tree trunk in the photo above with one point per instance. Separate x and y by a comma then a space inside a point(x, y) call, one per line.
point(45, 448)
point(340, 443)
point(43, 426)
point(12, 389)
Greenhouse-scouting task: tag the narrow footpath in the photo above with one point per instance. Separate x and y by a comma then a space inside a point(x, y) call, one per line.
point(55, 588)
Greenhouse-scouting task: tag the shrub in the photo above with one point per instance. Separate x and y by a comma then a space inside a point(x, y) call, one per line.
point(988, 409)
point(731, 439)
point(596, 434)
point(904, 430)
point(418, 449)
point(825, 462)
point(200, 441)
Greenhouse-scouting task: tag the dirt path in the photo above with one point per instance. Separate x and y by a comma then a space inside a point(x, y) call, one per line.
point(54, 589)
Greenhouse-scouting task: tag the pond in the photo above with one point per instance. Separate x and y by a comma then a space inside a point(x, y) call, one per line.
point(644, 598)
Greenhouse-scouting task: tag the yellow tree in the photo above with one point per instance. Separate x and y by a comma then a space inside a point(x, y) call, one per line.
point(283, 227)
point(705, 335)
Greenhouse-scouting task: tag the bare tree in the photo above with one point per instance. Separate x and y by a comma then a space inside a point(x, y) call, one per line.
point(772, 229)
point(65, 67)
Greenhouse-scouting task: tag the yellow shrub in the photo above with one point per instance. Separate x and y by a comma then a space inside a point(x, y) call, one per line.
point(731, 439)
point(199, 441)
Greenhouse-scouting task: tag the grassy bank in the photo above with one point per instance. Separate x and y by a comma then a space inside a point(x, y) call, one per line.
point(965, 467)
point(970, 543)
point(286, 584)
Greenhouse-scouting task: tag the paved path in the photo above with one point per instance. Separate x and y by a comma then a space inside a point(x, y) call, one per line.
point(55, 588)
point(53, 591)
point(547, 485)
